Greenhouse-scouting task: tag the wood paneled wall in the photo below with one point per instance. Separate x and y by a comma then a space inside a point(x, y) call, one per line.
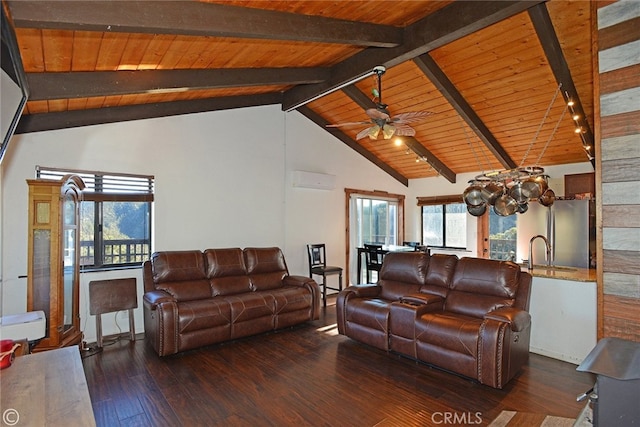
point(618, 34)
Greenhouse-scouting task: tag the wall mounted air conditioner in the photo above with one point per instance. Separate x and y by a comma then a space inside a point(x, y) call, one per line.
point(318, 181)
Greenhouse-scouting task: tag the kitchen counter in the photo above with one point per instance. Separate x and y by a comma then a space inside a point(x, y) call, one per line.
point(563, 273)
point(563, 312)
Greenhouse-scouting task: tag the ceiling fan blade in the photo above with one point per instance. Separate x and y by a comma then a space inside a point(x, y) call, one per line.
point(410, 117)
point(348, 124)
point(404, 130)
point(374, 113)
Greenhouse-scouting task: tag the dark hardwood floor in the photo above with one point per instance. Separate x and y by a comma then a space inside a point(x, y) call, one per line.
point(309, 376)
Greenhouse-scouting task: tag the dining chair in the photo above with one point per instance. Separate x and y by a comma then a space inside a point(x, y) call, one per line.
point(411, 244)
point(423, 248)
point(374, 256)
point(318, 265)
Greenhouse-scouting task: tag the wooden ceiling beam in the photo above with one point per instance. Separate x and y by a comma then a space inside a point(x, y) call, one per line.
point(75, 118)
point(450, 23)
point(47, 86)
point(198, 19)
point(317, 119)
point(547, 35)
point(431, 69)
point(413, 144)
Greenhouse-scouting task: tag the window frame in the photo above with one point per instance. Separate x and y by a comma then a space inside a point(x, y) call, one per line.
point(103, 187)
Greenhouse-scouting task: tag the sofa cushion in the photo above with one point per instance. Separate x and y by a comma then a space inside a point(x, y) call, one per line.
point(266, 268)
point(203, 314)
point(291, 298)
point(226, 271)
point(174, 266)
point(250, 306)
point(370, 312)
point(402, 273)
point(439, 274)
point(454, 332)
point(482, 285)
point(225, 262)
point(187, 291)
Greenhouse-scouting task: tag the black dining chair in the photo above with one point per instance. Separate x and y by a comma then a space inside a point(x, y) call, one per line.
point(318, 266)
point(374, 256)
point(411, 244)
point(423, 248)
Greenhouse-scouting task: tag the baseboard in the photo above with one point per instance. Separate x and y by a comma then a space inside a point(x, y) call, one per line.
point(556, 355)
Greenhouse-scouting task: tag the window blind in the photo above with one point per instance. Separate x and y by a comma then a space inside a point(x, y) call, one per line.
point(106, 186)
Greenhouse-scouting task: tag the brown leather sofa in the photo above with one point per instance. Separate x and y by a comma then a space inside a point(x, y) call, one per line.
point(468, 316)
point(195, 298)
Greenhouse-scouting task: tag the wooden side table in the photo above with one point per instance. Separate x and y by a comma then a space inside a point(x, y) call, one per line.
point(46, 388)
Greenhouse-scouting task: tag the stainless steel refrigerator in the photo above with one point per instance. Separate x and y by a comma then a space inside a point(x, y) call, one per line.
point(568, 225)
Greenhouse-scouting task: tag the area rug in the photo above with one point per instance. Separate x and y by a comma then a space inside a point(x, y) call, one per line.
point(525, 419)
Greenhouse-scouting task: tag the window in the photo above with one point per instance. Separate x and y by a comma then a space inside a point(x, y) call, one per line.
point(115, 217)
point(445, 225)
point(444, 222)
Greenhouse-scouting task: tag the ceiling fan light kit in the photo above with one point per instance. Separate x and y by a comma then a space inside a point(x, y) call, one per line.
point(381, 120)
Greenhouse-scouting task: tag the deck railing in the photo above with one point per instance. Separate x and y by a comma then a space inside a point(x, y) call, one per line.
point(123, 251)
point(503, 249)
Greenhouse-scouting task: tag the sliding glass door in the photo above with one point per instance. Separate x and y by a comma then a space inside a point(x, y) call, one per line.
point(374, 218)
point(376, 221)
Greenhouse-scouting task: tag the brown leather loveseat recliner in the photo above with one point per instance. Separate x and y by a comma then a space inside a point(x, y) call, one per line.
point(195, 298)
point(468, 316)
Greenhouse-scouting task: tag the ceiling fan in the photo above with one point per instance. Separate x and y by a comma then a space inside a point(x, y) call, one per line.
point(381, 119)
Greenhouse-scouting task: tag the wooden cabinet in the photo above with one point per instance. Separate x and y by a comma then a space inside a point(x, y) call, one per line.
point(53, 281)
point(580, 183)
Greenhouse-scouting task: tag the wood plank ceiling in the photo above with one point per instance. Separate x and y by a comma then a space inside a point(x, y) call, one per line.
point(487, 70)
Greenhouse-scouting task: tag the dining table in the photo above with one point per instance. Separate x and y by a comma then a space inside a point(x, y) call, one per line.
point(386, 249)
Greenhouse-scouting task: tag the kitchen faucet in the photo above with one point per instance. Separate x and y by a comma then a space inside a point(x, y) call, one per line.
point(547, 247)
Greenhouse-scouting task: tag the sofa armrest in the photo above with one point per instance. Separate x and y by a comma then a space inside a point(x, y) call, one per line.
point(364, 291)
point(153, 298)
point(426, 302)
point(161, 322)
point(311, 285)
point(349, 293)
point(293, 280)
point(516, 318)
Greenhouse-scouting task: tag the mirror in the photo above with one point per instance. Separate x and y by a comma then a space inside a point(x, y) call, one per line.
point(13, 84)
